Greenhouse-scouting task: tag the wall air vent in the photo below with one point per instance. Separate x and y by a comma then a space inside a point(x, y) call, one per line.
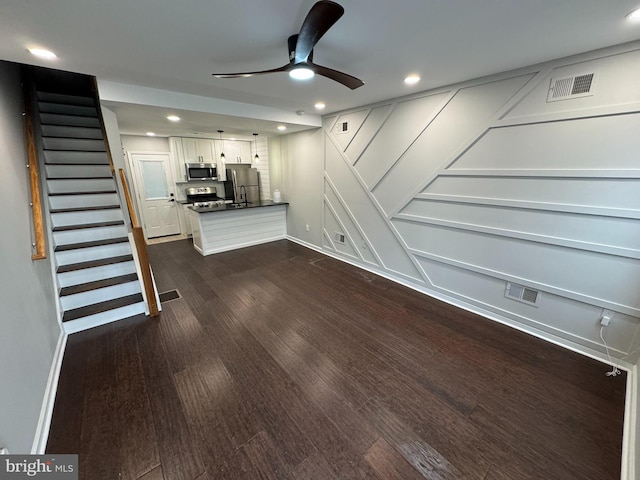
point(522, 294)
point(339, 237)
point(342, 127)
point(571, 87)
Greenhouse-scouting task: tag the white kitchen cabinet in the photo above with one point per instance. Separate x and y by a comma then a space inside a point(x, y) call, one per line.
point(198, 150)
point(190, 150)
point(187, 219)
point(236, 151)
point(177, 158)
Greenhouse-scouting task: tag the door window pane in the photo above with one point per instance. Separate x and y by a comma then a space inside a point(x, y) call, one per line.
point(155, 180)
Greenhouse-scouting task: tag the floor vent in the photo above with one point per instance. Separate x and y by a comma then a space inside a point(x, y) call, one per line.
point(522, 294)
point(168, 296)
point(571, 87)
point(339, 237)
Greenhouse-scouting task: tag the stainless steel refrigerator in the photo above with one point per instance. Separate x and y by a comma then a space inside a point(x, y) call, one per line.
point(243, 184)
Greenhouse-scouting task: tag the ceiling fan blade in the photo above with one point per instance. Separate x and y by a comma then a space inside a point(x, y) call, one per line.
point(283, 68)
point(319, 19)
point(340, 77)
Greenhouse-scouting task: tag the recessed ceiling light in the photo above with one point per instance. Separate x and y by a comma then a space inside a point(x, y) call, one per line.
point(151, 134)
point(173, 118)
point(233, 139)
point(282, 128)
point(319, 106)
point(411, 79)
point(634, 15)
point(43, 53)
point(301, 73)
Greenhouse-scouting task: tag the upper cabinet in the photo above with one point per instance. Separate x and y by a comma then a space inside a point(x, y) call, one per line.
point(190, 150)
point(207, 150)
point(198, 150)
point(236, 151)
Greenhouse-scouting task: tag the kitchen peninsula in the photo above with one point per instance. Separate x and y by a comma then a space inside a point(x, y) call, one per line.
point(220, 228)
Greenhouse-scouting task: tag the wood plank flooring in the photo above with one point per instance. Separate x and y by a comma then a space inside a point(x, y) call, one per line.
point(280, 363)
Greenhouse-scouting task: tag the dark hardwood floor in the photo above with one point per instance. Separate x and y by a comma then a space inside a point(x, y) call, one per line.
point(279, 363)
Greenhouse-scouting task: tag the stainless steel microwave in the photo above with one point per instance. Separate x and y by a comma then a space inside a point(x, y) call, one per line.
point(201, 171)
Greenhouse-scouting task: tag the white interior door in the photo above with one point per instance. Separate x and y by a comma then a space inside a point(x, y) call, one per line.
point(155, 192)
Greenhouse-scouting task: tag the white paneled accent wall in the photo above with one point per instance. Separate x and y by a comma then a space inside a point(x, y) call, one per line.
point(463, 189)
point(262, 165)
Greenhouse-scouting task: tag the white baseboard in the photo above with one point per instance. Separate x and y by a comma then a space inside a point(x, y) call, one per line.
point(630, 457)
point(46, 411)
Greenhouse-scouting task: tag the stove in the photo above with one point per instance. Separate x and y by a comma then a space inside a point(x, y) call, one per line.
point(203, 196)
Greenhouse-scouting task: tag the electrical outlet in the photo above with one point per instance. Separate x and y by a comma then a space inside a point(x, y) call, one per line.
point(306, 227)
point(605, 318)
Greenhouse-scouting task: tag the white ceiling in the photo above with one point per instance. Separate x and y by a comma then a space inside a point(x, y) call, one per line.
point(175, 46)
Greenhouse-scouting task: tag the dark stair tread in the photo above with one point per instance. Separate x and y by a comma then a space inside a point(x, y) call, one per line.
point(78, 164)
point(107, 282)
point(68, 137)
point(95, 243)
point(83, 209)
point(101, 307)
point(77, 100)
point(87, 225)
point(94, 263)
point(93, 192)
point(80, 178)
point(74, 150)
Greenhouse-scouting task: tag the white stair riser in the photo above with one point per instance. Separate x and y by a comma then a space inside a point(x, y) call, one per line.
point(103, 318)
point(69, 302)
point(76, 171)
point(66, 186)
point(67, 109)
point(54, 156)
point(82, 144)
point(89, 234)
point(71, 132)
point(79, 201)
point(81, 218)
point(57, 119)
point(86, 275)
point(70, 257)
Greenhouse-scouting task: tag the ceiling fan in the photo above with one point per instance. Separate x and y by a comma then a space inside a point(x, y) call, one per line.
point(320, 18)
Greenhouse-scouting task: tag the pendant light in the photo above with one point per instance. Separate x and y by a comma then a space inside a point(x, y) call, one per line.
point(256, 159)
point(221, 143)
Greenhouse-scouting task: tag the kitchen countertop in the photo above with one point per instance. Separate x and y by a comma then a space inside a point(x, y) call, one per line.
point(229, 207)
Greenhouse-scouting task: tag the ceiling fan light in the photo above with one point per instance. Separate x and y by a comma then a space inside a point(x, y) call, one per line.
point(634, 16)
point(301, 73)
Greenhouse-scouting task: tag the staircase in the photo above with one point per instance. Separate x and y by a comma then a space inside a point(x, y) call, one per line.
point(95, 270)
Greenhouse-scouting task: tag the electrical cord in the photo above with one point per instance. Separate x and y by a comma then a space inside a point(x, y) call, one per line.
point(614, 370)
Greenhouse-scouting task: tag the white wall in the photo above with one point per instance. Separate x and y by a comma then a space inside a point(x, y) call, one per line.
point(135, 143)
point(29, 329)
point(301, 183)
point(458, 190)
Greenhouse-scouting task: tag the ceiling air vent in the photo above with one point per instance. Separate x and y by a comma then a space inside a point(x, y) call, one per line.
point(522, 294)
point(571, 87)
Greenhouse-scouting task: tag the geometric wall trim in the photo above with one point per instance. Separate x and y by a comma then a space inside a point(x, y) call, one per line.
point(439, 189)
